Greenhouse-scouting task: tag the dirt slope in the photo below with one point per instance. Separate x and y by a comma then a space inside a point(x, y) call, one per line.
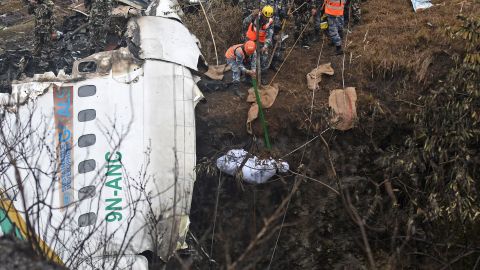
point(393, 57)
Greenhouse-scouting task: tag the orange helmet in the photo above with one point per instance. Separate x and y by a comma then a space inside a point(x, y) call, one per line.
point(250, 47)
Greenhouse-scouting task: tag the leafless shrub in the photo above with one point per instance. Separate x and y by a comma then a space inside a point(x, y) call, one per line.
point(226, 23)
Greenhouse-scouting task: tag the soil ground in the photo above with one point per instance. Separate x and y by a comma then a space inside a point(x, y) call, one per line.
point(317, 233)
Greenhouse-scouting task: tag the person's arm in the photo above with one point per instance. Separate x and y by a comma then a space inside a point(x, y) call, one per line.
point(250, 18)
point(269, 37)
point(239, 59)
point(253, 63)
point(314, 7)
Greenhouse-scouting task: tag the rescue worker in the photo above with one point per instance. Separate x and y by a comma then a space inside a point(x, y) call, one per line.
point(99, 23)
point(318, 20)
point(44, 26)
point(237, 57)
point(303, 11)
point(265, 35)
point(279, 16)
point(247, 7)
point(352, 6)
point(335, 10)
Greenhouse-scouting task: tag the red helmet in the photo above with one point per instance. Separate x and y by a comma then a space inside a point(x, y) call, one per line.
point(250, 47)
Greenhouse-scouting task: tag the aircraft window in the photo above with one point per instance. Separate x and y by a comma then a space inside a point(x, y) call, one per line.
point(87, 67)
point(87, 219)
point(87, 140)
point(87, 90)
point(86, 192)
point(86, 166)
point(87, 115)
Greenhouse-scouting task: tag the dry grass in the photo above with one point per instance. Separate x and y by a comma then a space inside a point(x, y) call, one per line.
point(393, 38)
point(226, 23)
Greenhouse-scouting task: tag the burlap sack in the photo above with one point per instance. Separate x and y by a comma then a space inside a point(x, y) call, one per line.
point(217, 72)
point(268, 94)
point(315, 76)
point(343, 104)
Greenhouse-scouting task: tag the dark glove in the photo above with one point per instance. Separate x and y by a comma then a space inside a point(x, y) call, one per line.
point(277, 28)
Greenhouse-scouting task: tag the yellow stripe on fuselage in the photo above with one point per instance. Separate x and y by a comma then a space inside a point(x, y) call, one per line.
point(17, 219)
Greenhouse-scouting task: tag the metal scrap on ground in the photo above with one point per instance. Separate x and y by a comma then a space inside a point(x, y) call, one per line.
point(421, 4)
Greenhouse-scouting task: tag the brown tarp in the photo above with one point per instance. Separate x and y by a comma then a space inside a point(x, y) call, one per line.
point(216, 72)
point(268, 94)
point(315, 76)
point(343, 104)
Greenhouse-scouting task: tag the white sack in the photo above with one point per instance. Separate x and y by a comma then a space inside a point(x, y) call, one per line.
point(255, 170)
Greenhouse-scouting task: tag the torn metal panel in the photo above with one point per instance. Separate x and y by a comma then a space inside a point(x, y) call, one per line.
point(125, 11)
point(165, 8)
point(30, 89)
point(122, 65)
point(118, 140)
point(138, 4)
point(164, 39)
point(148, 120)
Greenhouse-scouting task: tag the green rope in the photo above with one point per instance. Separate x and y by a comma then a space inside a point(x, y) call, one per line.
point(262, 117)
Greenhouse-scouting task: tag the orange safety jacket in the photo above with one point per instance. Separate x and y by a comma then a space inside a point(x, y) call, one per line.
point(230, 54)
point(262, 35)
point(334, 7)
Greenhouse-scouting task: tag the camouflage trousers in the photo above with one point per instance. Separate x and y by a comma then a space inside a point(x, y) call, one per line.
point(335, 29)
point(264, 60)
point(301, 21)
point(99, 23)
point(42, 44)
point(317, 20)
point(353, 6)
point(236, 71)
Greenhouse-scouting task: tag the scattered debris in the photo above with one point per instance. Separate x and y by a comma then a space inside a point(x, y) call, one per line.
point(254, 170)
point(125, 11)
point(268, 94)
point(421, 4)
point(315, 76)
point(138, 4)
point(343, 104)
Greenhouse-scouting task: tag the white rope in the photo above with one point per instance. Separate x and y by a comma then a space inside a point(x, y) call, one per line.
point(345, 47)
point(305, 144)
point(279, 232)
point(313, 93)
point(210, 28)
point(215, 213)
point(290, 51)
point(318, 181)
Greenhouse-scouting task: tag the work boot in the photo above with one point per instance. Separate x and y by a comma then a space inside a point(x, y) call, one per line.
point(339, 50)
point(264, 80)
point(236, 89)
